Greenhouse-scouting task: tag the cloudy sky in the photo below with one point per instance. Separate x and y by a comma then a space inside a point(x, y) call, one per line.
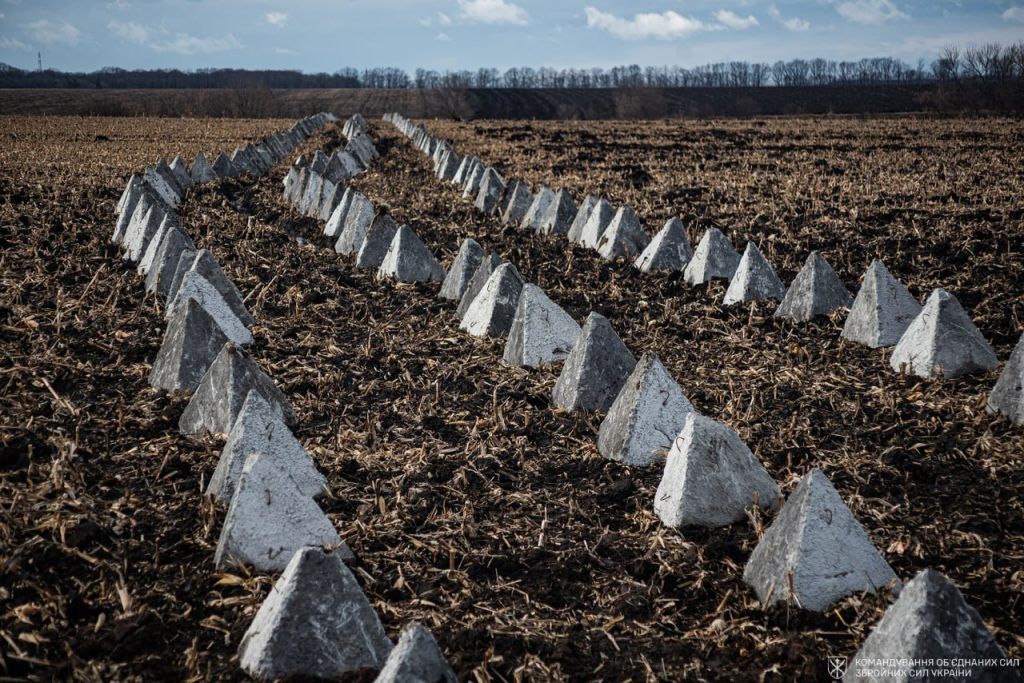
point(325, 35)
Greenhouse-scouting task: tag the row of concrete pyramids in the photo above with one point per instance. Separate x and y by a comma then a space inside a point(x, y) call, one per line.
point(264, 476)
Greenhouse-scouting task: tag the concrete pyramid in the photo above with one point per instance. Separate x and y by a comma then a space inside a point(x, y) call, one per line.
point(816, 290)
point(270, 518)
point(202, 171)
point(580, 220)
point(492, 311)
point(409, 260)
point(191, 343)
point(377, 242)
point(711, 478)
point(669, 250)
point(357, 222)
point(310, 200)
point(491, 188)
point(185, 261)
point(336, 222)
point(646, 416)
point(473, 182)
point(160, 181)
point(207, 266)
point(518, 200)
point(170, 222)
point(161, 272)
point(816, 549)
point(294, 188)
point(560, 214)
point(325, 204)
point(1007, 395)
point(488, 265)
point(713, 258)
point(542, 332)
point(133, 195)
point(197, 288)
point(931, 622)
point(416, 658)
point(142, 231)
point(597, 222)
point(542, 200)
point(180, 171)
point(595, 370)
point(259, 430)
point(316, 623)
point(319, 162)
point(223, 167)
point(754, 279)
point(882, 311)
point(134, 183)
point(465, 167)
point(218, 399)
point(242, 163)
point(624, 237)
point(462, 269)
point(449, 165)
point(942, 339)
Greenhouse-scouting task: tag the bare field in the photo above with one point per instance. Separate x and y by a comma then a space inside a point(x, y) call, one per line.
point(470, 504)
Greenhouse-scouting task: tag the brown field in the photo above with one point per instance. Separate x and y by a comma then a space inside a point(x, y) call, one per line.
point(470, 504)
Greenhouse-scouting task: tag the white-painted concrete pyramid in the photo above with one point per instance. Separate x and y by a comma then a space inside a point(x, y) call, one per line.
point(376, 243)
point(336, 223)
point(492, 187)
point(473, 181)
point(409, 260)
point(416, 659)
point(646, 416)
point(597, 222)
point(534, 217)
point(316, 623)
point(491, 313)
point(195, 287)
point(816, 290)
point(559, 215)
point(942, 339)
point(754, 279)
point(204, 264)
point(624, 237)
point(714, 258)
point(595, 370)
point(461, 271)
point(516, 203)
point(581, 218)
point(882, 311)
point(542, 332)
point(161, 272)
point(815, 552)
point(357, 221)
point(191, 344)
point(488, 265)
point(711, 478)
point(1007, 395)
point(669, 250)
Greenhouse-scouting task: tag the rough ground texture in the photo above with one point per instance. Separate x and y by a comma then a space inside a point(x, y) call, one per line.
point(470, 504)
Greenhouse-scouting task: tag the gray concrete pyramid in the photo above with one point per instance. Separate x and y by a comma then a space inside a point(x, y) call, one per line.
point(580, 219)
point(542, 332)
point(465, 167)
point(542, 200)
point(714, 258)
point(270, 518)
point(488, 265)
point(325, 204)
point(140, 232)
point(185, 261)
point(223, 167)
point(258, 429)
point(316, 624)
point(646, 416)
point(133, 193)
point(197, 288)
point(242, 163)
point(180, 171)
point(409, 260)
point(449, 165)
point(336, 222)
point(754, 279)
point(191, 344)
point(711, 478)
point(161, 184)
point(169, 222)
point(518, 200)
point(816, 549)
point(492, 311)
point(202, 171)
point(473, 182)
point(624, 237)
point(942, 340)
point(931, 622)
point(218, 399)
point(595, 370)
point(1007, 395)
point(462, 269)
point(560, 214)
point(293, 188)
point(597, 222)
point(207, 266)
point(669, 250)
point(357, 222)
point(377, 242)
point(882, 311)
point(311, 195)
point(319, 162)
point(491, 188)
point(816, 290)
point(416, 658)
point(134, 183)
point(161, 272)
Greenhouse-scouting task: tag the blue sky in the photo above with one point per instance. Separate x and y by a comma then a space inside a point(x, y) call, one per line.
point(325, 35)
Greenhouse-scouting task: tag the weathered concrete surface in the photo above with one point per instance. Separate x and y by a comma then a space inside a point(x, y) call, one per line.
point(223, 167)
point(597, 222)
point(492, 311)
point(595, 370)
point(316, 623)
point(336, 222)
point(646, 416)
point(377, 242)
point(134, 183)
point(196, 287)
point(580, 220)
point(754, 279)
point(472, 185)
point(133, 193)
point(714, 258)
point(207, 266)
point(191, 343)
point(169, 222)
point(180, 171)
point(492, 186)
point(141, 230)
point(461, 271)
point(815, 552)
point(882, 311)
point(542, 332)
point(1007, 396)
point(816, 290)
point(542, 200)
point(409, 260)
point(202, 171)
point(942, 339)
point(559, 215)
point(416, 659)
point(357, 222)
point(330, 196)
point(519, 199)
point(624, 237)
point(161, 272)
point(669, 250)
point(711, 478)
point(488, 265)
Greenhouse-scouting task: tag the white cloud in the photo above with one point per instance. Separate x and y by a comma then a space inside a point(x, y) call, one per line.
point(733, 20)
point(492, 12)
point(795, 24)
point(424, 22)
point(119, 4)
point(278, 19)
point(12, 44)
point(185, 44)
point(665, 25)
point(871, 12)
point(285, 51)
point(443, 37)
point(54, 33)
point(1014, 14)
point(443, 19)
point(130, 31)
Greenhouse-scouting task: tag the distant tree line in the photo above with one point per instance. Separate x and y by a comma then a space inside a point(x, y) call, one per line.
point(989, 63)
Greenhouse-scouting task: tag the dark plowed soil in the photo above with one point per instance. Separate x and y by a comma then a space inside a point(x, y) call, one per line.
point(470, 503)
